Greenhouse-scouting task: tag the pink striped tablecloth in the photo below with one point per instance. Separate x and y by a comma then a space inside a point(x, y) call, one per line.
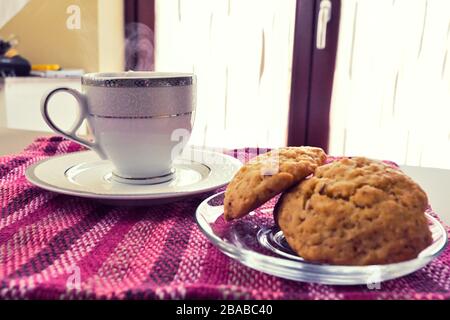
point(54, 246)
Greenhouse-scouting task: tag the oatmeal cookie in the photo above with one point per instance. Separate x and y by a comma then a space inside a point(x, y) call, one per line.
point(355, 212)
point(267, 175)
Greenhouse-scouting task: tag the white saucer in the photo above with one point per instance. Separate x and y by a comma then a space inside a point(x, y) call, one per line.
point(84, 174)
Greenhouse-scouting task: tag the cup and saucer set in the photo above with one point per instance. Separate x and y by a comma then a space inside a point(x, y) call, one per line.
point(141, 123)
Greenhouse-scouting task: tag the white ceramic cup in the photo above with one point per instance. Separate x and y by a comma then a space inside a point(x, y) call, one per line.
point(133, 117)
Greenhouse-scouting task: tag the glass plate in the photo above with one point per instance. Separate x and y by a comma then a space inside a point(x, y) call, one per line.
point(256, 242)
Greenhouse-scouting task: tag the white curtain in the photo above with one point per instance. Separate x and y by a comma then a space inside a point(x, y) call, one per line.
point(241, 52)
point(391, 96)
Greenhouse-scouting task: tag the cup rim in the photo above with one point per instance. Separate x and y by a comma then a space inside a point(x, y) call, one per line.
point(136, 79)
point(136, 75)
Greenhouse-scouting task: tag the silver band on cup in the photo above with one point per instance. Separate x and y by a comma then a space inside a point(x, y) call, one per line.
point(142, 117)
point(138, 82)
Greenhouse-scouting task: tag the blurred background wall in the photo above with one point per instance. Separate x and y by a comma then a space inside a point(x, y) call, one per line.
point(41, 26)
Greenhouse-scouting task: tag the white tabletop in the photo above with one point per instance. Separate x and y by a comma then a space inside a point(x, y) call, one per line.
point(435, 182)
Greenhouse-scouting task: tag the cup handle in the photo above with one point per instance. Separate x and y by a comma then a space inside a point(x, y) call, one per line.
point(82, 114)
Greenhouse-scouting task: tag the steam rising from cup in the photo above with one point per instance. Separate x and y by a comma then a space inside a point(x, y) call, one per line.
point(139, 47)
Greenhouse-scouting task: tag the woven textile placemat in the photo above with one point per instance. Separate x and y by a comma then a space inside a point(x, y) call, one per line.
point(54, 246)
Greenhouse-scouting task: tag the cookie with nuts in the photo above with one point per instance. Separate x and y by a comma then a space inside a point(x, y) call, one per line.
point(355, 211)
point(267, 175)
